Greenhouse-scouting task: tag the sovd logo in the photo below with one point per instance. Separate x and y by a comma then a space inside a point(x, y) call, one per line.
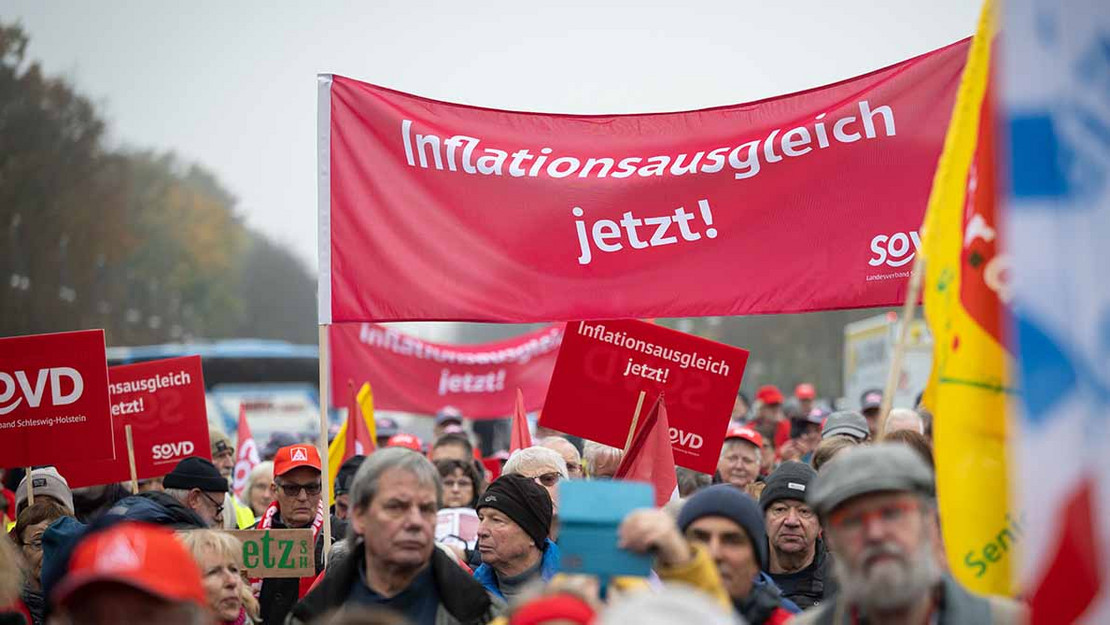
point(35, 392)
point(894, 250)
point(688, 440)
point(167, 451)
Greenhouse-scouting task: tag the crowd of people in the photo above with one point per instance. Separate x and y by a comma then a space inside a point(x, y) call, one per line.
point(810, 518)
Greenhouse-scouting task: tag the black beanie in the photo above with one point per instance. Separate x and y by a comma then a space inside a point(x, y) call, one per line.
point(346, 474)
point(790, 481)
point(725, 500)
point(195, 472)
point(522, 500)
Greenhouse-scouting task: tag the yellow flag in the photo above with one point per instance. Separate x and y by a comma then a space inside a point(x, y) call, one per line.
point(338, 446)
point(968, 387)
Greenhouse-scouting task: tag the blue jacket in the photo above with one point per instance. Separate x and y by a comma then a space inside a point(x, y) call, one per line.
point(158, 508)
point(549, 566)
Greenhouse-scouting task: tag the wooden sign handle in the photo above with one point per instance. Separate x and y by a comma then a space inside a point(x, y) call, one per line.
point(635, 420)
point(131, 460)
point(30, 490)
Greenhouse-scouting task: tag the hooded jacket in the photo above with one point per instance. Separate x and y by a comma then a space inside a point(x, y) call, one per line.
point(158, 508)
point(462, 599)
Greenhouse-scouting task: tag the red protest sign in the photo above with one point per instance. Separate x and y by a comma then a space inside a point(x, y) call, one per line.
point(54, 399)
point(602, 367)
point(430, 210)
point(412, 375)
point(163, 401)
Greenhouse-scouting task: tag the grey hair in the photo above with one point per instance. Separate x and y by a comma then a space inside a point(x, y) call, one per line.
point(365, 484)
point(180, 494)
point(263, 469)
point(531, 458)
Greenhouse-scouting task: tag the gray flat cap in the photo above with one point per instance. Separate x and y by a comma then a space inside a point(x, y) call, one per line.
point(846, 422)
point(870, 469)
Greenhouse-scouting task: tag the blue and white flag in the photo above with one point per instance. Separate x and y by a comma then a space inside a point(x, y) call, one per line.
point(1055, 111)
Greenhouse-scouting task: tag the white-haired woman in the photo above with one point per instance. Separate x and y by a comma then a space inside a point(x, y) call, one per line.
point(257, 493)
point(219, 557)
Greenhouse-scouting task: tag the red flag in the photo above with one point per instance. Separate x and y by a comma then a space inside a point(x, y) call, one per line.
point(521, 437)
point(649, 458)
point(358, 441)
point(246, 454)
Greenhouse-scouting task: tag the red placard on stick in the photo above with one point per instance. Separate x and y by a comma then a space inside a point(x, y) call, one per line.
point(163, 402)
point(54, 399)
point(604, 365)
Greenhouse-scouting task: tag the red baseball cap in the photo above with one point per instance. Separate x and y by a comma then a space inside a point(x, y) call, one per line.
point(769, 394)
point(745, 433)
point(407, 441)
point(294, 456)
point(144, 556)
point(805, 390)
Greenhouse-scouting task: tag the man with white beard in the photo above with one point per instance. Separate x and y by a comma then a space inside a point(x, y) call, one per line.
point(880, 521)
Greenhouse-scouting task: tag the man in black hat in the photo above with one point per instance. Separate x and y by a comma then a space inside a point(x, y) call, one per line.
point(193, 498)
point(797, 560)
point(343, 478)
point(514, 521)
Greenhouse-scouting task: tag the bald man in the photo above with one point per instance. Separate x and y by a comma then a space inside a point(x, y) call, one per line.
point(568, 451)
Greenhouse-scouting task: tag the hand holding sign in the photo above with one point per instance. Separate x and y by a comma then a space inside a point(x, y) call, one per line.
point(654, 531)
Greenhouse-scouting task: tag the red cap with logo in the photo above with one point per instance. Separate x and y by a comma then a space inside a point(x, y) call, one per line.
point(407, 441)
point(745, 433)
point(144, 556)
point(296, 456)
point(769, 394)
point(805, 390)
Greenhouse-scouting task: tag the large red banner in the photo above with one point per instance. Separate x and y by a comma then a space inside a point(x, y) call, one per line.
point(163, 402)
point(810, 201)
point(412, 375)
point(602, 368)
point(54, 399)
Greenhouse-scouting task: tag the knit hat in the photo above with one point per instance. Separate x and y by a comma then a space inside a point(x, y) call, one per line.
point(46, 481)
point(790, 481)
point(194, 472)
point(346, 474)
point(848, 423)
point(727, 501)
point(522, 500)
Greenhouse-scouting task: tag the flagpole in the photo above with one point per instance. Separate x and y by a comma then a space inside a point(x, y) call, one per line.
point(131, 460)
point(323, 442)
point(635, 419)
point(900, 346)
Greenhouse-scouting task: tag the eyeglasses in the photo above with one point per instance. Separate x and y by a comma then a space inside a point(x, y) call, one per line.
point(292, 490)
point(548, 479)
point(853, 524)
point(218, 504)
point(459, 483)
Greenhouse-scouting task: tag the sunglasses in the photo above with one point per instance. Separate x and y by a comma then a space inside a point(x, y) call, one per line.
point(292, 490)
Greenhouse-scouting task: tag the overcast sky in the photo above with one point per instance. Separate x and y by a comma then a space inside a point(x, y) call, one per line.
point(232, 85)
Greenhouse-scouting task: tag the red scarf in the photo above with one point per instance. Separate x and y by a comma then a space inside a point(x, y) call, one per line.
point(267, 522)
